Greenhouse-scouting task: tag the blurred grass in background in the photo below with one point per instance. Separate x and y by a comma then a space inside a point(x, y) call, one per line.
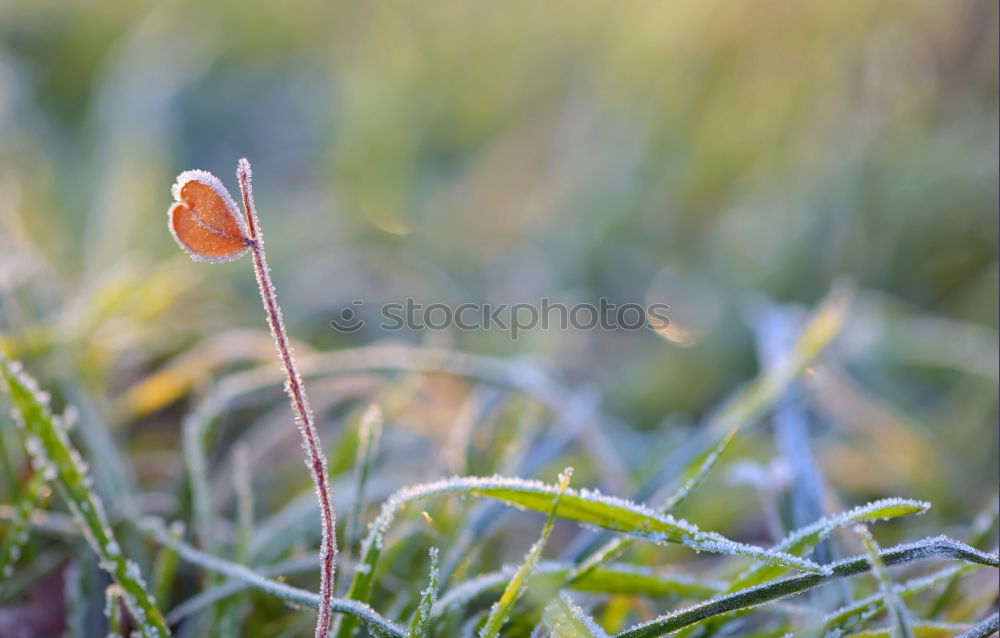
point(694, 153)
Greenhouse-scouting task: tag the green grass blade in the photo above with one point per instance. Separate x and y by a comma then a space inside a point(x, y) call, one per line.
point(897, 611)
point(583, 506)
point(935, 547)
point(854, 614)
point(979, 535)
point(155, 530)
point(692, 476)
point(165, 567)
point(369, 433)
point(54, 456)
point(804, 540)
point(420, 625)
point(696, 471)
point(500, 611)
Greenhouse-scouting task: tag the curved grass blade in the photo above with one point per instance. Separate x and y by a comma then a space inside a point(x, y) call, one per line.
point(564, 619)
point(211, 595)
point(421, 624)
point(897, 611)
point(802, 541)
point(981, 528)
point(154, 529)
point(860, 611)
point(694, 473)
point(936, 547)
point(582, 506)
point(501, 610)
point(55, 458)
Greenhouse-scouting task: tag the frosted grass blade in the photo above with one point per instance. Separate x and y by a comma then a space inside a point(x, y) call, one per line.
point(54, 456)
point(897, 611)
point(935, 547)
point(802, 541)
point(854, 614)
point(582, 506)
point(421, 624)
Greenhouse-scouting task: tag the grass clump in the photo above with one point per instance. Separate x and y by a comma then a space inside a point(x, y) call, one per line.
point(232, 558)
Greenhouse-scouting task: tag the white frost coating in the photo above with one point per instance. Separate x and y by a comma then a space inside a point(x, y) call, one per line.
point(844, 618)
point(422, 616)
point(869, 512)
point(802, 541)
point(680, 531)
point(293, 595)
point(932, 547)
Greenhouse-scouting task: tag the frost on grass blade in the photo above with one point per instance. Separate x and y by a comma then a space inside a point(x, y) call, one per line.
point(802, 541)
point(619, 515)
point(564, 619)
point(934, 547)
point(898, 614)
point(500, 611)
point(583, 506)
point(293, 596)
point(421, 623)
point(54, 457)
point(854, 614)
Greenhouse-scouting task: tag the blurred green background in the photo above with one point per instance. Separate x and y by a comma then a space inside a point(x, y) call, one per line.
point(695, 153)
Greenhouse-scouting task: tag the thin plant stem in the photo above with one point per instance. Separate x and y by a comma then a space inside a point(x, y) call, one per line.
point(295, 388)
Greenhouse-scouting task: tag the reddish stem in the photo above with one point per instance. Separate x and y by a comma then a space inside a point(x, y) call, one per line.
point(300, 402)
